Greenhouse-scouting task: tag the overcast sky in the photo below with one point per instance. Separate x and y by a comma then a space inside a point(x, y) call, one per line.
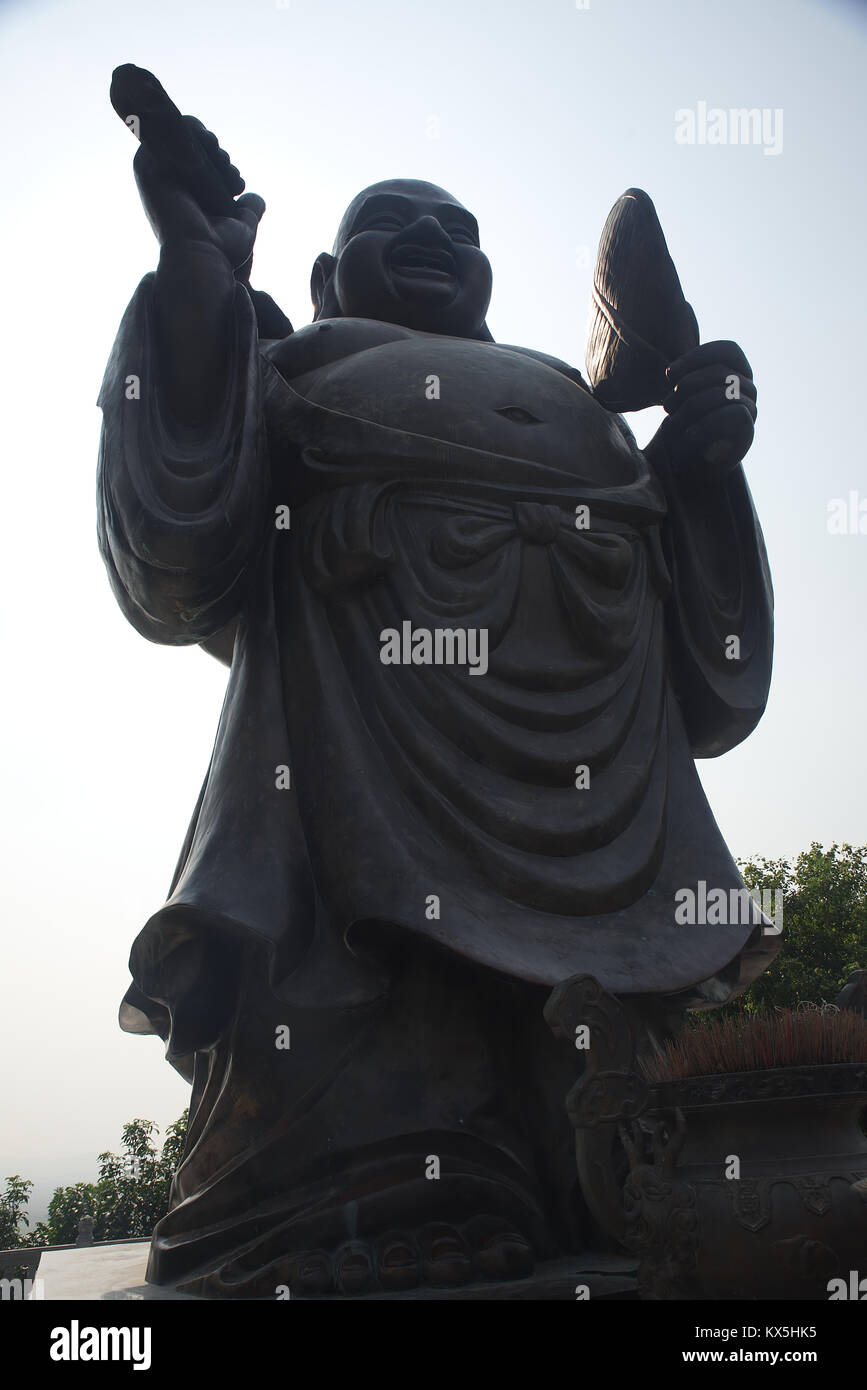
point(535, 113)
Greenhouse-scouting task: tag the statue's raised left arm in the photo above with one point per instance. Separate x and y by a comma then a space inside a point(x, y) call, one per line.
point(720, 614)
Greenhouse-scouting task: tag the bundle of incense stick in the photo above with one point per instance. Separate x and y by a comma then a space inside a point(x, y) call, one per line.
point(180, 143)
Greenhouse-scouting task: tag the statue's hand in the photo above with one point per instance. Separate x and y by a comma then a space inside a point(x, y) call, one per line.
point(177, 217)
point(711, 411)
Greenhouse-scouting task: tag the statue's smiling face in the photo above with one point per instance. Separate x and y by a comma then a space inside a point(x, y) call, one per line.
point(408, 253)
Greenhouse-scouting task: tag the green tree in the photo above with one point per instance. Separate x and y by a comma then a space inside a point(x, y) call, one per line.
point(133, 1189)
point(130, 1195)
point(824, 934)
point(13, 1207)
point(174, 1142)
point(67, 1205)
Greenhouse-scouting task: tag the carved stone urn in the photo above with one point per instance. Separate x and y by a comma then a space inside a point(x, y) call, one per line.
point(748, 1190)
point(737, 1185)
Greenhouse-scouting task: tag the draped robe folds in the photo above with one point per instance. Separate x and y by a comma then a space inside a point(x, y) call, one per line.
point(414, 785)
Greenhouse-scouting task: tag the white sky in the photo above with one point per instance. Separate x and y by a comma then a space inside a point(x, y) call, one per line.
point(546, 113)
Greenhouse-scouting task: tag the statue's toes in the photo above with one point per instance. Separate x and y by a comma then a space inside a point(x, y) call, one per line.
point(397, 1260)
point(499, 1251)
point(353, 1269)
point(446, 1256)
point(311, 1273)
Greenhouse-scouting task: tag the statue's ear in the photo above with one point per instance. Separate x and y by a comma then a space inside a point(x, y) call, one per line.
point(321, 287)
point(484, 334)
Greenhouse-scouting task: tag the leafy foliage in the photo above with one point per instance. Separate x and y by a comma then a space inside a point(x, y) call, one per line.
point(129, 1197)
point(824, 925)
point(13, 1205)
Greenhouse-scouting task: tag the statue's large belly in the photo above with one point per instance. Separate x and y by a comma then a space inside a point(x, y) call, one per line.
point(480, 396)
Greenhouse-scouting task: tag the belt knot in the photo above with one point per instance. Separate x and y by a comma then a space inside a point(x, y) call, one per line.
point(538, 521)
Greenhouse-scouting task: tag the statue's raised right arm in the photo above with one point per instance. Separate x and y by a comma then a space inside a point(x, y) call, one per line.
point(183, 477)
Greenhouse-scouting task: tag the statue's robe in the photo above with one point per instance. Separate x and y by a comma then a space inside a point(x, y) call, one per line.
point(412, 784)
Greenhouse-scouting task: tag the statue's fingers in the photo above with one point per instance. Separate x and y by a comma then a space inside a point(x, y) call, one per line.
point(200, 131)
point(707, 404)
point(719, 375)
point(706, 354)
point(159, 188)
point(250, 207)
point(723, 438)
point(215, 154)
point(212, 147)
point(146, 169)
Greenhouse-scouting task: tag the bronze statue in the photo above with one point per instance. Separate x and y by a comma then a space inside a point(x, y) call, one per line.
point(476, 640)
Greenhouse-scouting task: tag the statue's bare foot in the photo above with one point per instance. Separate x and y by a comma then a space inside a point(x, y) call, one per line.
point(438, 1255)
point(499, 1252)
point(398, 1261)
point(446, 1256)
point(310, 1273)
point(353, 1269)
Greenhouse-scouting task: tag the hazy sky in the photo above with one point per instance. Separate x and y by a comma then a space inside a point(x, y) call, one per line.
point(535, 113)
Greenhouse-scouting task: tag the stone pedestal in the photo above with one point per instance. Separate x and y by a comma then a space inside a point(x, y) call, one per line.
point(106, 1272)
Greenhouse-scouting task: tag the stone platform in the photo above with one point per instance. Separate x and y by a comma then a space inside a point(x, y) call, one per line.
point(106, 1272)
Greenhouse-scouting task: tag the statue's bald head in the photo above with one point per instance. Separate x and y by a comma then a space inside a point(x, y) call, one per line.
point(406, 252)
point(410, 190)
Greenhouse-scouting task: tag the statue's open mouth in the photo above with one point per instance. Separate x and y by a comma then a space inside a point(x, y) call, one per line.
point(428, 261)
